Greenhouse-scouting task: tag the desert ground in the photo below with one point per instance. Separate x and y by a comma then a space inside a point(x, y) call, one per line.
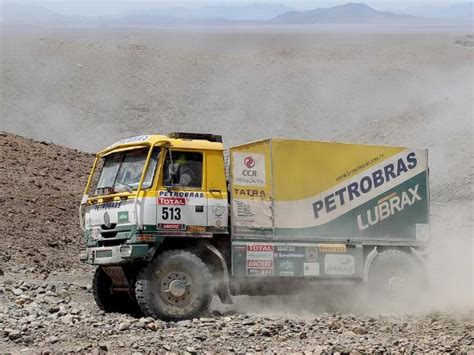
point(77, 90)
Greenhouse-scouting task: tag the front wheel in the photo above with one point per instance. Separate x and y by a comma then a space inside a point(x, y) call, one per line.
point(176, 285)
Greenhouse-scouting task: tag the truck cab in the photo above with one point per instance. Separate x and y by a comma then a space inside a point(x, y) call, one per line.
point(148, 194)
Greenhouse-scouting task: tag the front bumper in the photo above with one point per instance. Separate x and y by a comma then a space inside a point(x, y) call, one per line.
point(114, 255)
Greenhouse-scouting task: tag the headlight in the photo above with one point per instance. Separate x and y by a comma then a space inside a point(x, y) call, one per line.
point(83, 254)
point(125, 251)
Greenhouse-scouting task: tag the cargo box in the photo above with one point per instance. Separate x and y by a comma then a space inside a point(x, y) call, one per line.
point(300, 191)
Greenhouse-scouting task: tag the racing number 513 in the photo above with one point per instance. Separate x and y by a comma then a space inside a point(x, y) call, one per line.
point(173, 213)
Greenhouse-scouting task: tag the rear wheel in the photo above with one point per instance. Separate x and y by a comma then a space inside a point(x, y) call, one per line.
point(396, 279)
point(174, 286)
point(109, 301)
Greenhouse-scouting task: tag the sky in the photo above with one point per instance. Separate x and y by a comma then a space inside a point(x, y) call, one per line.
point(107, 7)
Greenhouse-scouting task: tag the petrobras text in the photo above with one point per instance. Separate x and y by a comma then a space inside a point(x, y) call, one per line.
point(365, 184)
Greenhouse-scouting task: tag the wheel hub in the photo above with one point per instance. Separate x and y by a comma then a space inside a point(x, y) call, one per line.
point(395, 283)
point(177, 288)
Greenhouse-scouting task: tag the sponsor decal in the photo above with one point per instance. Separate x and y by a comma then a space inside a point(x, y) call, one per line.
point(250, 193)
point(339, 264)
point(260, 248)
point(286, 268)
point(265, 264)
point(310, 269)
point(243, 209)
point(249, 169)
point(387, 207)
point(172, 226)
point(136, 139)
point(218, 211)
point(311, 254)
point(332, 248)
point(108, 205)
point(196, 229)
point(259, 272)
point(122, 217)
point(287, 251)
point(186, 194)
point(259, 259)
point(249, 162)
point(365, 184)
point(172, 201)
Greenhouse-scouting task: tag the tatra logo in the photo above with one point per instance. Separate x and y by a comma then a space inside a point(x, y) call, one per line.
point(366, 184)
point(249, 162)
point(107, 220)
point(388, 206)
point(250, 192)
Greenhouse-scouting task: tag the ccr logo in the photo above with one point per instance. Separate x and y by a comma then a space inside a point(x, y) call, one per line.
point(249, 162)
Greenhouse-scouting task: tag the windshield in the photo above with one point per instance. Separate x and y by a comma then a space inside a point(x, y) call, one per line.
point(122, 171)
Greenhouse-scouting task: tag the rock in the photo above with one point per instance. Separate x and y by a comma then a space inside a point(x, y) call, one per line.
point(207, 320)
point(360, 330)
point(303, 335)
point(190, 349)
point(166, 347)
point(248, 321)
point(266, 332)
point(124, 326)
point(52, 339)
point(14, 334)
point(53, 309)
point(184, 323)
point(17, 291)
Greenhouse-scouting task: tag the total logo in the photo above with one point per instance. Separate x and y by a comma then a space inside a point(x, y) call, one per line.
point(249, 162)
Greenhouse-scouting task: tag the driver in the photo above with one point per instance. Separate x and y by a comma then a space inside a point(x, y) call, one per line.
point(187, 176)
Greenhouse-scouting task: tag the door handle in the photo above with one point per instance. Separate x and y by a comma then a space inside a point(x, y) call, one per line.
point(215, 191)
point(199, 208)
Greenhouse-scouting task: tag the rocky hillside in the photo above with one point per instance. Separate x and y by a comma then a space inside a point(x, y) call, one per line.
point(41, 185)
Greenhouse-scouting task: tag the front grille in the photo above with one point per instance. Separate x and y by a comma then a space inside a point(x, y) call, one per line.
point(110, 243)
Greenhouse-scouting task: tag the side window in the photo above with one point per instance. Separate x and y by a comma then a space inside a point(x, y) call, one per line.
point(187, 169)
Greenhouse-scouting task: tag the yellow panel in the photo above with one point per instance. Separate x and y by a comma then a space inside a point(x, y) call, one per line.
point(302, 169)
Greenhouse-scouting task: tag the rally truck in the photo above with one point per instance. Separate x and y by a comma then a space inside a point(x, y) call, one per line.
point(172, 220)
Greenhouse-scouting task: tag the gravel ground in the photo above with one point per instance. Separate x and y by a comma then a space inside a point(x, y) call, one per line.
point(58, 314)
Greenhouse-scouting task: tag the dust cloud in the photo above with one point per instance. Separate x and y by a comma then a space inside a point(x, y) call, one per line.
point(87, 88)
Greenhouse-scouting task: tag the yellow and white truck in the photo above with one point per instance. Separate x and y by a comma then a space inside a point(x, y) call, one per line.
point(170, 221)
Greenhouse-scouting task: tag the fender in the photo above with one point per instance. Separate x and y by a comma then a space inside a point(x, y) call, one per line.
point(222, 289)
point(368, 261)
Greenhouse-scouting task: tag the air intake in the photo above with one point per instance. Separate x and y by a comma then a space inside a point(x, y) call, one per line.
point(201, 136)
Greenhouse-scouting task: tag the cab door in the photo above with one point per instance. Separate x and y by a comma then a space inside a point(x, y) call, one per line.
point(182, 199)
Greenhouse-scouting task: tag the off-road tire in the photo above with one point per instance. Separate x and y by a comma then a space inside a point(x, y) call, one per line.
point(152, 280)
point(399, 267)
point(110, 302)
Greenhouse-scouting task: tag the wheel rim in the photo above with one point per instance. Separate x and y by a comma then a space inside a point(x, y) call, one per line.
point(177, 289)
